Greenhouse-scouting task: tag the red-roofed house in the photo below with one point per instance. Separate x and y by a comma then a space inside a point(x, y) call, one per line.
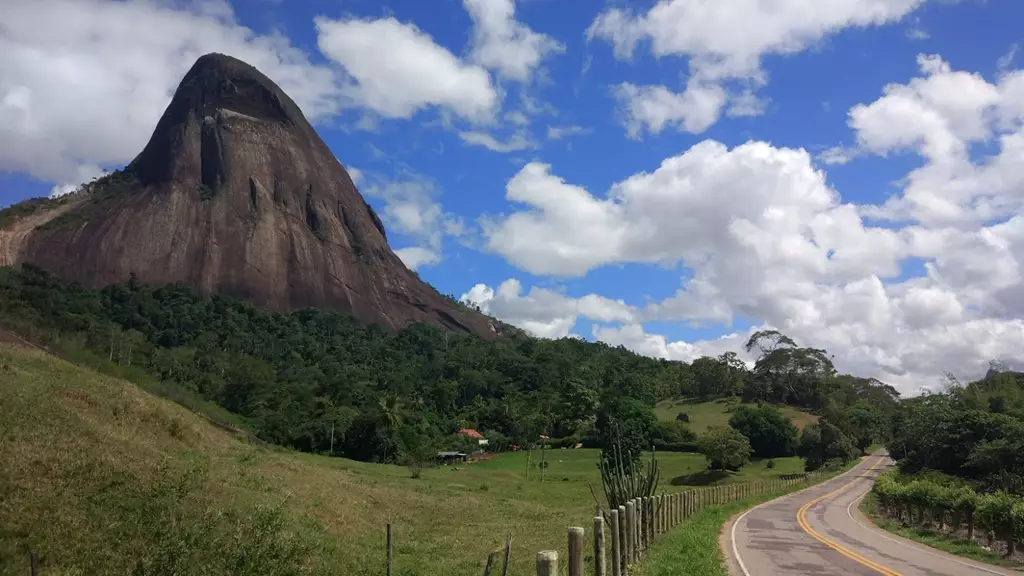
point(473, 434)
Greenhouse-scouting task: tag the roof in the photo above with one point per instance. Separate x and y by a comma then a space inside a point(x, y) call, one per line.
point(450, 454)
point(470, 432)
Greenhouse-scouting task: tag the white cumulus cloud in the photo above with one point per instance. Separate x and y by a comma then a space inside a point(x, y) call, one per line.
point(724, 42)
point(502, 43)
point(765, 237)
point(83, 82)
point(396, 69)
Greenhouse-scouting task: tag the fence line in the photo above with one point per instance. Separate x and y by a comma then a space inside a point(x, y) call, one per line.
point(631, 528)
point(635, 525)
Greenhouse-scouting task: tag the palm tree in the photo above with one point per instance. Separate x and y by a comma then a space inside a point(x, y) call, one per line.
point(390, 410)
point(390, 407)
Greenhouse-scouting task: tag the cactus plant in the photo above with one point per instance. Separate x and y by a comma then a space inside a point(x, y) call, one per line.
point(623, 477)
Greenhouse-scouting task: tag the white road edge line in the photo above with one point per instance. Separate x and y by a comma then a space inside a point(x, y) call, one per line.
point(732, 531)
point(919, 548)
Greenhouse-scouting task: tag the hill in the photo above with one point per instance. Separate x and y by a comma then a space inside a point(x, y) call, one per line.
point(234, 194)
point(321, 382)
point(717, 412)
point(102, 476)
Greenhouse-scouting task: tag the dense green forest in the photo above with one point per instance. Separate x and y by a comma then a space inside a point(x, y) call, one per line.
point(319, 381)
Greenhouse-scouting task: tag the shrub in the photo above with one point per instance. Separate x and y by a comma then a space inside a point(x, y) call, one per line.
point(927, 501)
point(683, 417)
point(822, 442)
point(771, 434)
point(674, 437)
point(724, 448)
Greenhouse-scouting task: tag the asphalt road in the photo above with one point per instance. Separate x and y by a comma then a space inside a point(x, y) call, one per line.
point(819, 531)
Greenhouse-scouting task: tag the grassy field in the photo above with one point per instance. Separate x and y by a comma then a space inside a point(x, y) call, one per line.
point(102, 477)
point(717, 413)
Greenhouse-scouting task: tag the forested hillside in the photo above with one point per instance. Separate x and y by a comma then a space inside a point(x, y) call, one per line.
point(319, 381)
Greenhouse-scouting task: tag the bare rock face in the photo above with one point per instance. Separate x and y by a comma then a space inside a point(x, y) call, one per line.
point(235, 194)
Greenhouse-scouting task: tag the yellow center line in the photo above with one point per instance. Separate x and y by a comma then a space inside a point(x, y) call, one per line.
point(801, 518)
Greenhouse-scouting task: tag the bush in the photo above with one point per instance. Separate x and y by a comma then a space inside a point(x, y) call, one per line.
point(771, 434)
point(683, 417)
point(674, 437)
point(724, 448)
point(925, 501)
point(822, 442)
point(769, 464)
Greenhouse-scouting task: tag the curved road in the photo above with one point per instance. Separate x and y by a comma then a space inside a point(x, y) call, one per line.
point(820, 532)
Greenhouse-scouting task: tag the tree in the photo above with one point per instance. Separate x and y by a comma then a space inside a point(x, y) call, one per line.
point(768, 341)
point(771, 434)
point(824, 442)
point(867, 424)
point(628, 421)
point(711, 377)
point(724, 448)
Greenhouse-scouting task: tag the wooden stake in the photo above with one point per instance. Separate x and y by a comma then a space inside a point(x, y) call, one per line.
point(547, 563)
point(630, 532)
point(600, 569)
point(575, 551)
point(508, 554)
point(623, 545)
point(616, 548)
point(389, 549)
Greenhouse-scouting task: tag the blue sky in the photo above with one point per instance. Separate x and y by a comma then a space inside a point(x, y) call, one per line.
point(785, 76)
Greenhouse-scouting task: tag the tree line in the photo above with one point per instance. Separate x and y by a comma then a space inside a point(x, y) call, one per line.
point(960, 456)
point(319, 381)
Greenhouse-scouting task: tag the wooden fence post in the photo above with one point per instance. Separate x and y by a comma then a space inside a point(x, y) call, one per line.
point(389, 549)
point(673, 510)
point(575, 551)
point(673, 499)
point(642, 517)
point(616, 550)
point(490, 562)
point(656, 504)
point(600, 568)
point(623, 560)
point(630, 531)
point(662, 512)
point(638, 517)
point(653, 505)
point(34, 563)
point(547, 563)
point(649, 521)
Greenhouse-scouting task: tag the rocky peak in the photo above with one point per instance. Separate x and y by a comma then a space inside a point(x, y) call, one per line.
point(235, 193)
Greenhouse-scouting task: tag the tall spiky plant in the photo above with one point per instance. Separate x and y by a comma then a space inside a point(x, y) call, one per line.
point(623, 477)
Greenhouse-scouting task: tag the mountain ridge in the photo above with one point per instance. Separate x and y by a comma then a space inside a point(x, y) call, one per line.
point(234, 193)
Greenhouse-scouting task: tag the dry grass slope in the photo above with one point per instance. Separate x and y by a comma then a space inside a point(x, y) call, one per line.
point(100, 477)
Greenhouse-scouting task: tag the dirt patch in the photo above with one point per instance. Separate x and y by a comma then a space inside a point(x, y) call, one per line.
point(12, 240)
point(6, 336)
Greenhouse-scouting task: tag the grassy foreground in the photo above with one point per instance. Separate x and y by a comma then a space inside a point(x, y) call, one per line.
point(717, 413)
point(946, 542)
point(100, 476)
